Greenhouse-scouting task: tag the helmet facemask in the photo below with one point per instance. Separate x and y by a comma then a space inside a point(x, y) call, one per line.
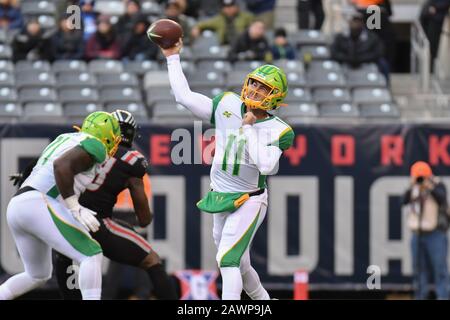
point(263, 93)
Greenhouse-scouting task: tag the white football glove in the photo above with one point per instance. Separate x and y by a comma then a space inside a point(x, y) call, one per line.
point(83, 215)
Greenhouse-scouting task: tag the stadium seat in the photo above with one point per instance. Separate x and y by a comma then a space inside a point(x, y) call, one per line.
point(315, 52)
point(290, 65)
point(140, 67)
point(236, 78)
point(137, 109)
point(7, 66)
point(204, 42)
point(298, 95)
point(10, 110)
point(69, 65)
point(299, 110)
point(324, 66)
point(5, 51)
point(4, 36)
point(170, 111)
point(159, 95)
point(151, 8)
point(218, 66)
point(44, 94)
point(26, 66)
point(210, 92)
point(110, 8)
point(247, 66)
point(362, 78)
point(105, 66)
point(368, 67)
point(187, 66)
point(123, 94)
point(338, 110)
point(307, 37)
point(32, 8)
point(337, 95)
point(156, 79)
point(295, 78)
point(85, 94)
point(210, 53)
point(43, 111)
point(76, 79)
point(8, 95)
point(35, 79)
point(372, 95)
point(47, 22)
point(119, 79)
point(326, 79)
point(80, 110)
point(6, 79)
point(382, 110)
point(207, 79)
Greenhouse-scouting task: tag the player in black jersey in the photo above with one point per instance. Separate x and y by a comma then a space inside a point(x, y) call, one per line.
point(119, 242)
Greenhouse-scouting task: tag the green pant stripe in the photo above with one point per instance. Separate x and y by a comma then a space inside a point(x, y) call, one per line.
point(233, 257)
point(77, 238)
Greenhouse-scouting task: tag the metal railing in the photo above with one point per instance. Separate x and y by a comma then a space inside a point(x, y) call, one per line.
point(420, 55)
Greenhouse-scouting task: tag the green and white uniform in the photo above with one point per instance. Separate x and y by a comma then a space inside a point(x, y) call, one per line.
point(42, 177)
point(244, 156)
point(40, 222)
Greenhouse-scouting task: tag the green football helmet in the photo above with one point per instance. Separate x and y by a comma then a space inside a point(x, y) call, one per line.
point(103, 126)
point(274, 79)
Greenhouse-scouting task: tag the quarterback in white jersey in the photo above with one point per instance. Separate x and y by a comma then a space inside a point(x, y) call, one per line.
point(249, 143)
point(45, 214)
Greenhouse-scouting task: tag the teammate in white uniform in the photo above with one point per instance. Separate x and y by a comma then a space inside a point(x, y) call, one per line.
point(249, 143)
point(45, 213)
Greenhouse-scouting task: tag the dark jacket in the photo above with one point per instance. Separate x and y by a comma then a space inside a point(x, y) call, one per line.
point(125, 24)
point(249, 49)
point(260, 6)
point(67, 45)
point(283, 52)
point(28, 47)
point(138, 44)
point(13, 15)
point(100, 46)
point(366, 48)
point(442, 7)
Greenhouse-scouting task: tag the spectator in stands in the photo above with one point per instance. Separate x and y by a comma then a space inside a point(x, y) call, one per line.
point(31, 43)
point(136, 45)
point(428, 219)
point(359, 46)
point(126, 22)
point(432, 18)
point(67, 42)
point(103, 44)
point(174, 12)
point(304, 10)
point(228, 25)
point(252, 44)
point(10, 15)
point(88, 18)
point(263, 10)
point(281, 48)
point(386, 31)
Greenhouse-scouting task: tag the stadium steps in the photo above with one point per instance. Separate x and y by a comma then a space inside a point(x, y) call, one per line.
point(415, 104)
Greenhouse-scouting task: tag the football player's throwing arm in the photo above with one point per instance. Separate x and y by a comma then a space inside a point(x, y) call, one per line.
point(198, 104)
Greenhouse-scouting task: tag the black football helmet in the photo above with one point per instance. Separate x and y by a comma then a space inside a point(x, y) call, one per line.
point(128, 127)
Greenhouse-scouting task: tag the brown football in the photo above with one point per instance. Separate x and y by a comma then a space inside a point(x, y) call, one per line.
point(165, 33)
